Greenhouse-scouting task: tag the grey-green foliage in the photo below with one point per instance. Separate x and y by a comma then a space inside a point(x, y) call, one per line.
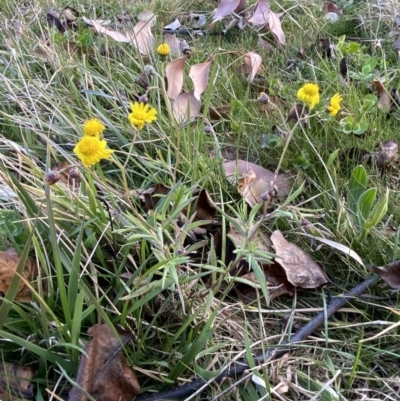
point(361, 199)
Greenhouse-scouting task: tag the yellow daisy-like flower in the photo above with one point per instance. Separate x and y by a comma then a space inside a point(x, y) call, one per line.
point(309, 93)
point(141, 114)
point(93, 127)
point(163, 50)
point(90, 150)
point(334, 107)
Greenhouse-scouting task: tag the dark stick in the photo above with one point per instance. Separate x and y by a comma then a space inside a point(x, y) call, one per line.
point(179, 393)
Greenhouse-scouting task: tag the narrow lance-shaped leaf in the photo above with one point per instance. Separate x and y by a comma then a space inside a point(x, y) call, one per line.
point(378, 212)
point(356, 187)
point(364, 205)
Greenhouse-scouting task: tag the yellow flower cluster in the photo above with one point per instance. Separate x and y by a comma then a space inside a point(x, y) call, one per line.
point(309, 93)
point(141, 114)
point(335, 107)
point(91, 149)
point(93, 127)
point(163, 50)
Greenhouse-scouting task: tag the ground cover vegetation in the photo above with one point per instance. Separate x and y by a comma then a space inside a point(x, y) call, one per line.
point(184, 184)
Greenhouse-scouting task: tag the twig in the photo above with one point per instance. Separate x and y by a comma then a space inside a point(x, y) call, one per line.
point(239, 367)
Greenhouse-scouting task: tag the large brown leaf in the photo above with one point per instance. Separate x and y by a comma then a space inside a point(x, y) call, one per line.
point(301, 270)
point(252, 65)
point(103, 372)
point(8, 264)
point(254, 180)
point(261, 13)
point(142, 37)
point(174, 74)
point(186, 106)
point(199, 75)
point(17, 380)
point(118, 36)
point(274, 25)
point(227, 7)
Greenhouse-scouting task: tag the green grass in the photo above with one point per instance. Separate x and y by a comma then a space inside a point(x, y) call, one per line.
point(143, 271)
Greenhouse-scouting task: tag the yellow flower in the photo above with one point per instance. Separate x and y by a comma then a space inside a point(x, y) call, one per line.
point(90, 150)
point(309, 93)
point(93, 127)
point(141, 114)
point(163, 49)
point(335, 104)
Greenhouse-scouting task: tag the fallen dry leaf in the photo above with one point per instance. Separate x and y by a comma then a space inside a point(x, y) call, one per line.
point(117, 36)
point(301, 270)
point(298, 112)
point(256, 180)
point(147, 16)
point(199, 75)
point(142, 37)
point(8, 264)
point(274, 25)
point(174, 74)
point(389, 273)
point(203, 206)
point(227, 7)
point(261, 13)
point(17, 380)
point(103, 370)
point(246, 287)
point(174, 45)
point(186, 107)
point(252, 65)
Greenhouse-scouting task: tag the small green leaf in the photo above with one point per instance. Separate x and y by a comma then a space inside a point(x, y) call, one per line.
point(357, 186)
point(360, 128)
point(364, 205)
point(332, 158)
point(378, 212)
point(369, 102)
point(369, 65)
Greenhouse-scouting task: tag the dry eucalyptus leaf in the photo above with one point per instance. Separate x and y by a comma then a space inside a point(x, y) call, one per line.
point(252, 65)
point(174, 45)
point(117, 36)
point(17, 380)
point(174, 74)
point(261, 13)
point(152, 196)
point(8, 264)
point(227, 7)
point(147, 16)
point(186, 107)
point(103, 372)
point(199, 75)
point(274, 25)
point(101, 22)
point(301, 270)
point(389, 273)
point(256, 180)
point(142, 37)
point(298, 112)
